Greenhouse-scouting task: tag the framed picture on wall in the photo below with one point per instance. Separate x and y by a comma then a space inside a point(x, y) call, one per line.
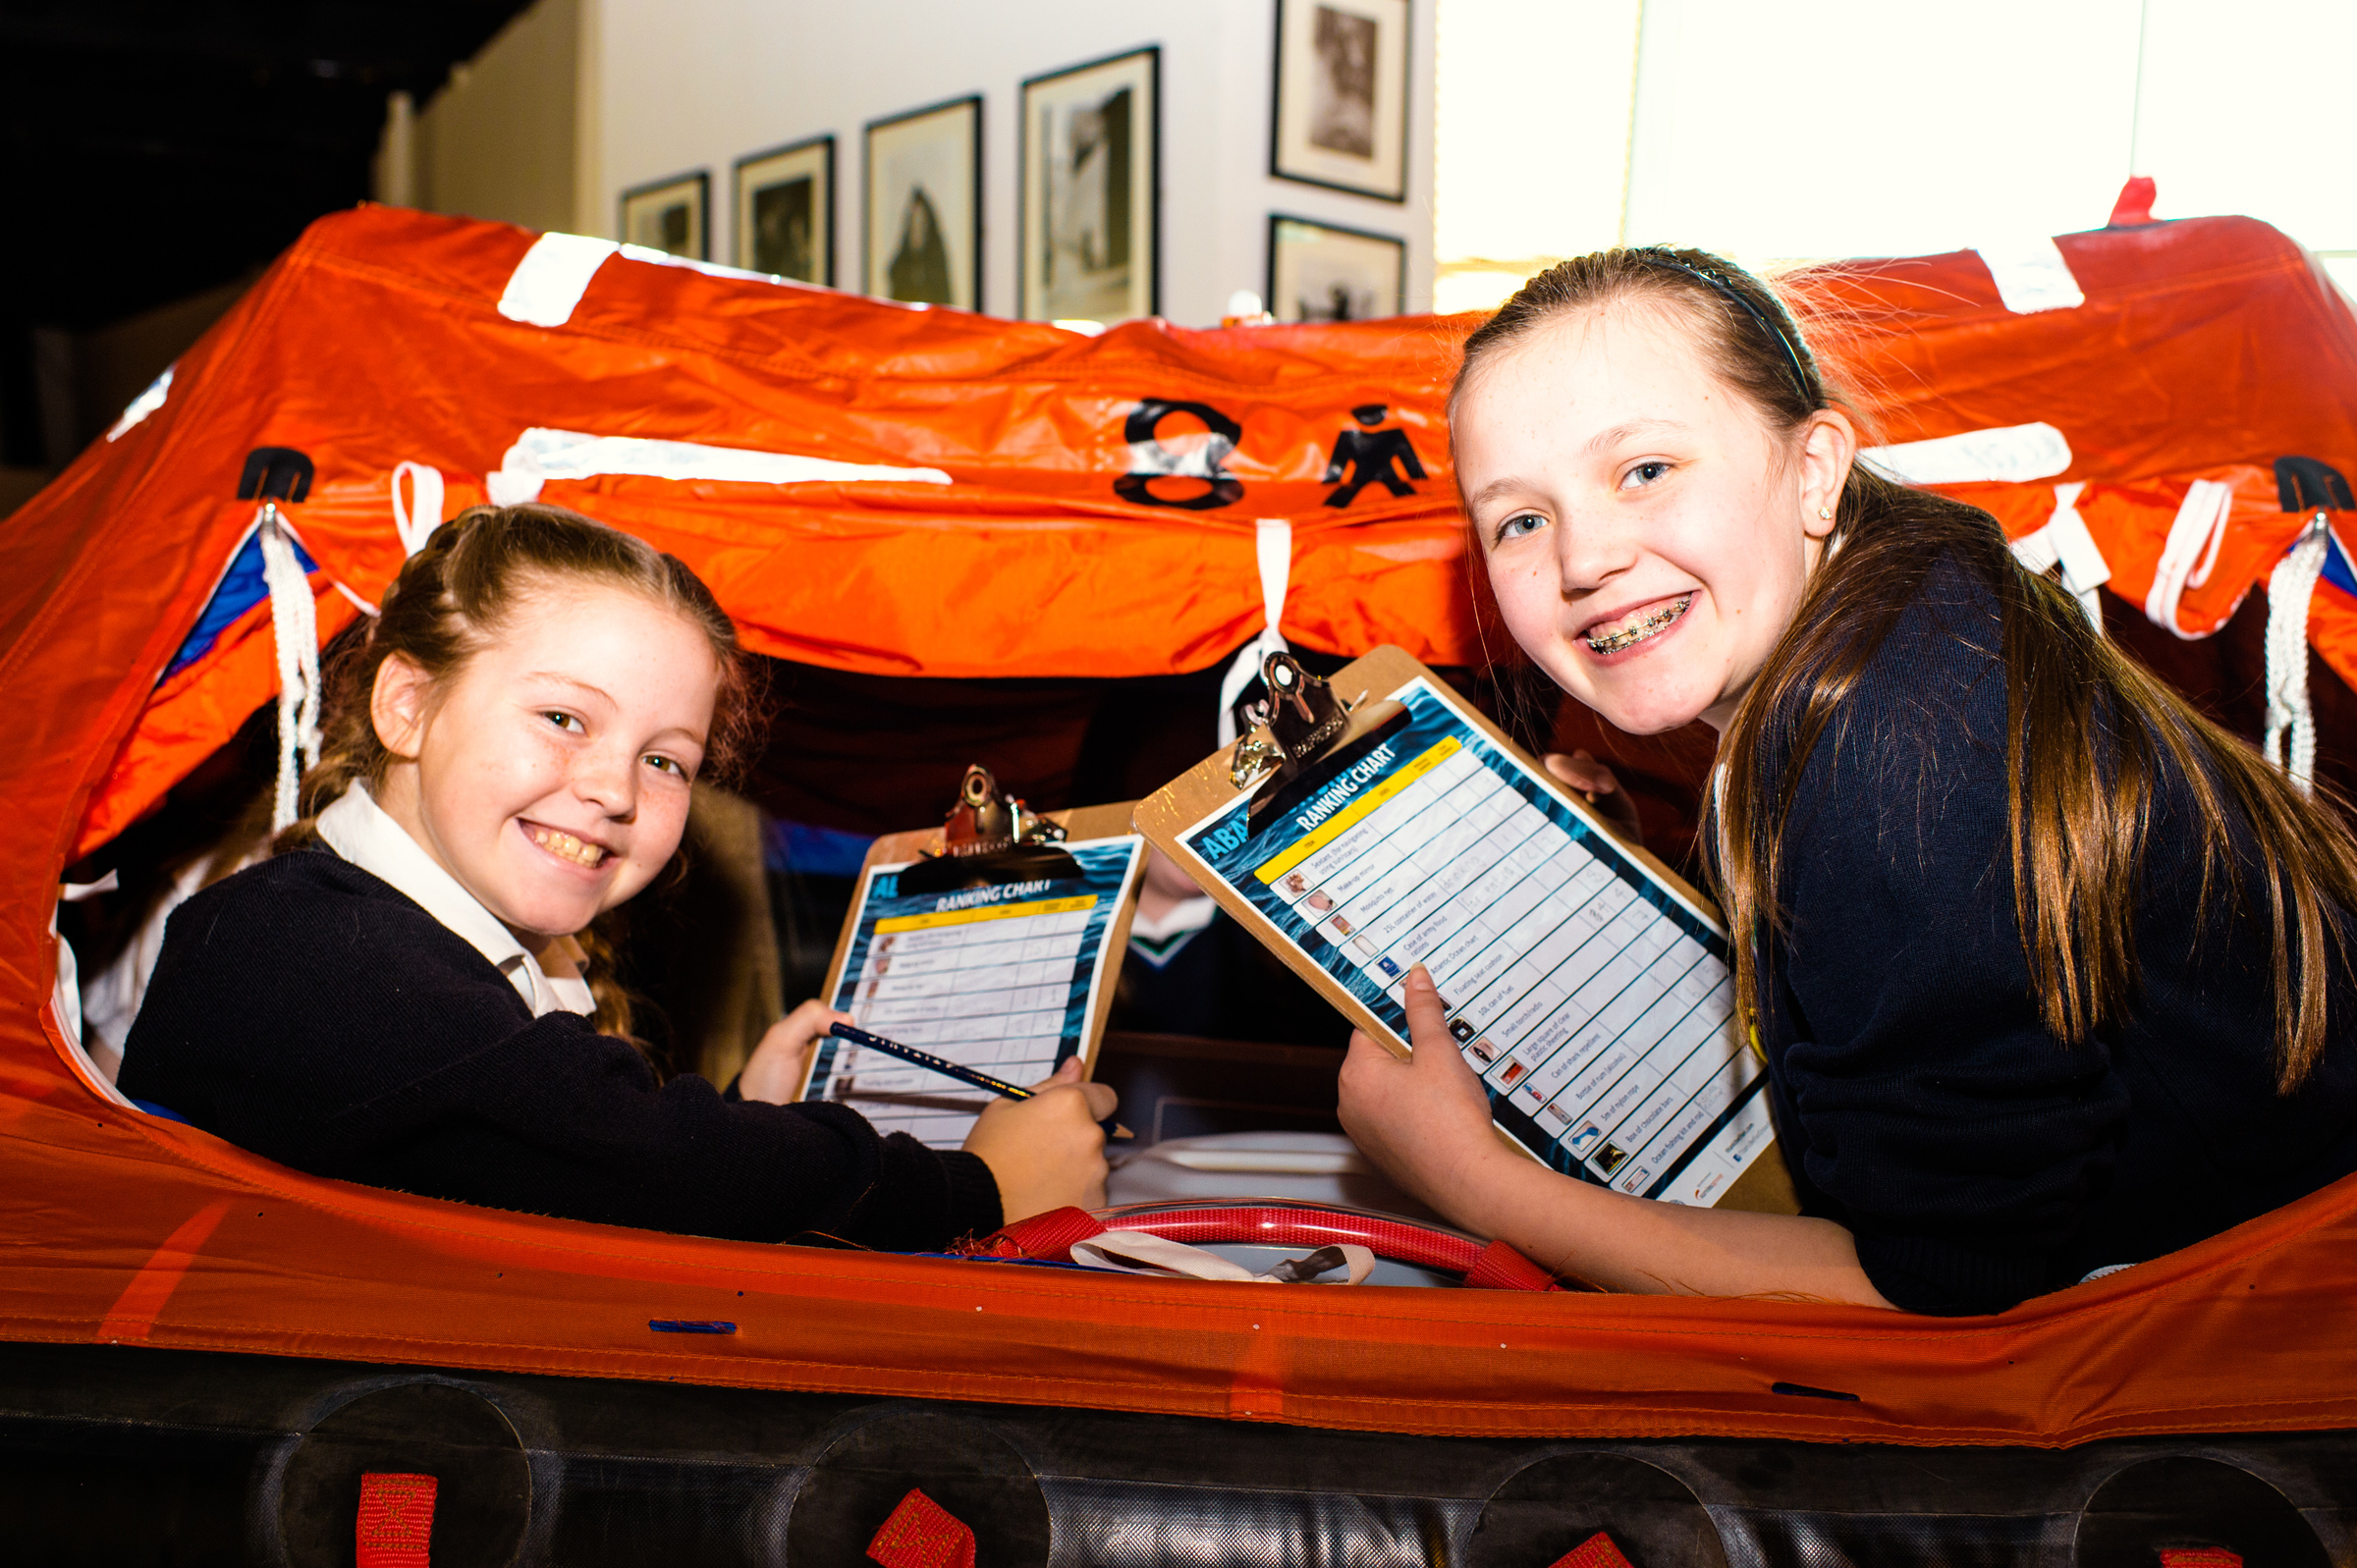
point(1318, 272)
point(670, 215)
point(1091, 172)
point(924, 205)
point(1342, 96)
point(785, 212)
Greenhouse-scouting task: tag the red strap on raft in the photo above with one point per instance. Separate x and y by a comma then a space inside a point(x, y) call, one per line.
point(922, 1534)
point(1496, 1267)
point(1597, 1552)
point(2199, 1557)
point(396, 1521)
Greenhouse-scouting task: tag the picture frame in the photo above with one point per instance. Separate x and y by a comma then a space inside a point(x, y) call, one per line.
point(672, 215)
point(784, 211)
point(1324, 272)
point(922, 228)
point(1339, 118)
point(1091, 191)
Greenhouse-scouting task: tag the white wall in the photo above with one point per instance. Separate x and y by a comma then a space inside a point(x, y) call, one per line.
point(1532, 133)
point(698, 84)
point(501, 139)
point(1855, 128)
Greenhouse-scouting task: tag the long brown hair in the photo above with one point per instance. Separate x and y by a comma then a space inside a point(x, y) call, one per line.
point(2091, 734)
point(451, 599)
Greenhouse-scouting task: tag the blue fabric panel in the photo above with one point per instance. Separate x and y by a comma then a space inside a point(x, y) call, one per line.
point(154, 1109)
point(813, 851)
point(2337, 570)
point(241, 589)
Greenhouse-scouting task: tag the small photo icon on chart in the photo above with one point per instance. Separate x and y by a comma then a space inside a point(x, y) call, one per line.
point(1387, 966)
point(1555, 1113)
point(1457, 1026)
point(1321, 900)
point(1610, 1158)
point(885, 942)
point(1580, 1141)
point(1342, 926)
point(1513, 1072)
point(1482, 1050)
point(882, 967)
point(1363, 946)
point(1295, 885)
point(1635, 1180)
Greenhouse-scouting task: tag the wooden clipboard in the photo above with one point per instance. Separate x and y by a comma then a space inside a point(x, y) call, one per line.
point(1765, 1186)
point(1079, 822)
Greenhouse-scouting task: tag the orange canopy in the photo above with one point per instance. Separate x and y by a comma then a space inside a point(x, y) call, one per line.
point(1050, 505)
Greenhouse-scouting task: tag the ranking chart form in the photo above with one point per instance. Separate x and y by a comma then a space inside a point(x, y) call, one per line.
point(1003, 979)
point(1593, 997)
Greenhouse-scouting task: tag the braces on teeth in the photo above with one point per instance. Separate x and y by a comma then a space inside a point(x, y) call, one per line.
point(1630, 636)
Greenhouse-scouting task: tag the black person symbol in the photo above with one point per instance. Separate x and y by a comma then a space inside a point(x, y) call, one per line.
point(1150, 459)
point(1371, 456)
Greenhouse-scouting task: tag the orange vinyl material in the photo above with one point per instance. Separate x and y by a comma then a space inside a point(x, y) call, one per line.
point(2204, 349)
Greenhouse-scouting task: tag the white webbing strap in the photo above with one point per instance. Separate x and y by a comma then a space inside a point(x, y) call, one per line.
point(2190, 553)
point(2065, 542)
point(2290, 742)
point(416, 520)
point(1273, 545)
point(294, 634)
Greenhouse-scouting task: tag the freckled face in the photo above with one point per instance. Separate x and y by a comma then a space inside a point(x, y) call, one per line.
point(550, 776)
point(1647, 535)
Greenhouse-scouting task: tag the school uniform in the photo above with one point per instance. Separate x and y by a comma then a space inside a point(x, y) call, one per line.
point(1920, 1101)
point(352, 1012)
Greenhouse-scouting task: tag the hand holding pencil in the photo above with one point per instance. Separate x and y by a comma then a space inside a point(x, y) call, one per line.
point(1045, 1146)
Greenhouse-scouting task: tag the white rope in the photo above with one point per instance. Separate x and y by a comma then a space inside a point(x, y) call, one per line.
point(2190, 553)
point(2290, 742)
point(295, 635)
point(1273, 546)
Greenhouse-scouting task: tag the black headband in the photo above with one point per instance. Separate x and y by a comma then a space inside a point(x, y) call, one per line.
point(1800, 377)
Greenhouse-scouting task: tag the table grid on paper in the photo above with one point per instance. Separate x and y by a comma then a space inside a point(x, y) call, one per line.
point(986, 988)
point(1581, 1002)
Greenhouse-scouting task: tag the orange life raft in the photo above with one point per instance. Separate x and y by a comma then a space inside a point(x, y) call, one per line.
point(884, 489)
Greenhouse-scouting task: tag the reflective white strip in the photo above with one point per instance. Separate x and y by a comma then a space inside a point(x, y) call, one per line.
point(417, 521)
point(2065, 542)
point(2188, 559)
point(1273, 546)
point(541, 455)
point(710, 269)
point(146, 404)
point(295, 637)
point(2031, 275)
point(550, 280)
point(2004, 454)
point(1200, 460)
point(2290, 741)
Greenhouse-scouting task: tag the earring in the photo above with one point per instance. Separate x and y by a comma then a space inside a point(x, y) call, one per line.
point(1824, 514)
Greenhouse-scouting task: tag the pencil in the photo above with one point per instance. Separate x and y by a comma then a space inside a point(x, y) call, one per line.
point(952, 1069)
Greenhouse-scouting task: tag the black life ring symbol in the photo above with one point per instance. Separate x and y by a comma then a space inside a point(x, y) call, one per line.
point(1138, 430)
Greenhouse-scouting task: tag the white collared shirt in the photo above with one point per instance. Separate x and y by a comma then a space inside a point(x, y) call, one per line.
point(356, 828)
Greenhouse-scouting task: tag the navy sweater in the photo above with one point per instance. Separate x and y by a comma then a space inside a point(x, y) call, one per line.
point(311, 1012)
point(1921, 1102)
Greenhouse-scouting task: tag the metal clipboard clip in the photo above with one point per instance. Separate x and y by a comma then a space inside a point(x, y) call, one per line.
point(1301, 721)
point(989, 838)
